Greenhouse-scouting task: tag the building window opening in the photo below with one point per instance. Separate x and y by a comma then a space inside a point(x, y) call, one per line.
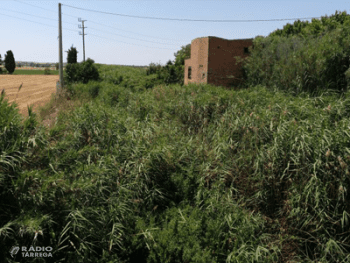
point(189, 72)
point(246, 50)
point(203, 75)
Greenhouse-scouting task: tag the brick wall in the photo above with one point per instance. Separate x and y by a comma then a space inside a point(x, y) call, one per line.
point(198, 61)
point(212, 60)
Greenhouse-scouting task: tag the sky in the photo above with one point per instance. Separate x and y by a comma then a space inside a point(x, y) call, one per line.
point(30, 28)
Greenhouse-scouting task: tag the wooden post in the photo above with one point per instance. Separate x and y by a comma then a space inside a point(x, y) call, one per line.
point(60, 45)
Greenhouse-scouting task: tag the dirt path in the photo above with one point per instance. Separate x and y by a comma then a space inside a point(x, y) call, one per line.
point(36, 89)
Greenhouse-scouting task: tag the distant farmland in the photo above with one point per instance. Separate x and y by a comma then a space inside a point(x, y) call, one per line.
point(33, 68)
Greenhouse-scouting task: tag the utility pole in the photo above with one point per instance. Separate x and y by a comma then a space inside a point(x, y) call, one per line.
point(60, 44)
point(79, 19)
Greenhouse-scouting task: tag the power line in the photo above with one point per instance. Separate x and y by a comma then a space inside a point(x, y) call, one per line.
point(89, 34)
point(103, 24)
point(36, 22)
point(136, 33)
point(134, 38)
point(93, 28)
point(40, 7)
point(191, 20)
point(34, 15)
point(130, 43)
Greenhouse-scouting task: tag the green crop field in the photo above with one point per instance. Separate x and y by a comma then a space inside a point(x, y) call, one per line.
point(30, 71)
point(34, 72)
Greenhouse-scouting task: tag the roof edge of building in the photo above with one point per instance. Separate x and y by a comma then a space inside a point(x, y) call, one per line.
point(197, 38)
point(231, 39)
point(222, 38)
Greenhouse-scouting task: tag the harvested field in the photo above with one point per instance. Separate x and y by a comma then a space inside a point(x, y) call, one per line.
point(36, 89)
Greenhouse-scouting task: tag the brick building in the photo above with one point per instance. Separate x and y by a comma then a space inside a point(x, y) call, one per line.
point(212, 60)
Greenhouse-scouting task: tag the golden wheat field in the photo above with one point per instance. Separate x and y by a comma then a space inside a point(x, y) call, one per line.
point(36, 90)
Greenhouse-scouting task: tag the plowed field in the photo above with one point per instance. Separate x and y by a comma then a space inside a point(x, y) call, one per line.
point(36, 90)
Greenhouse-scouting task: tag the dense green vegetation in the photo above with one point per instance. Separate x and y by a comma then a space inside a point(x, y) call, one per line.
point(303, 56)
point(145, 171)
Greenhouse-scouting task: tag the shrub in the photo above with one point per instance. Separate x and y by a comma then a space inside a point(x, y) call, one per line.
point(81, 72)
point(116, 79)
point(170, 73)
point(149, 82)
point(89, 71)
point(94, 90)
point(57, 65)
point(153, 69)
point(47, 71)
point(71, 73)
point(3, 71)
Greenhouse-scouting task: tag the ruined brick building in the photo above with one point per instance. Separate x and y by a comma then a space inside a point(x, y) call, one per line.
point(212, 60)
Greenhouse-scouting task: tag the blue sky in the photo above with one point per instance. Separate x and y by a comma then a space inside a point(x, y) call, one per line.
point(30, 28)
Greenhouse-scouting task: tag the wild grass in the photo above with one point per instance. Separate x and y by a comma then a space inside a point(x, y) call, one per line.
point(193, 173)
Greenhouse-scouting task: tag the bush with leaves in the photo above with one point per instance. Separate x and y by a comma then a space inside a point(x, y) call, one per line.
point(115, 78)
point(81, 72)
point(153, 69)
point(171, 72)
point(71, 74)
point(89, 71)
point(47, 71)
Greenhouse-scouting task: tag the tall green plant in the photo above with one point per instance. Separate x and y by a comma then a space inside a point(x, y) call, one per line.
point(10, 63)
point(180, 56)
point(0, 64)
point(72, 55)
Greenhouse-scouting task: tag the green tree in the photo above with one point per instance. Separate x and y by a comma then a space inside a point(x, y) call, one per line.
point(72, 55)
point(179, 67)
point(182, 54)
point(169, 63)
point(0, 64)
point(10, 63)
